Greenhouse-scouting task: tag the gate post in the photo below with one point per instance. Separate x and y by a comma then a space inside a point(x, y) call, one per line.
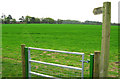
point(26, 62)
point(23, 60)
point(24, 56)
point(91, 65)
point(96, 63)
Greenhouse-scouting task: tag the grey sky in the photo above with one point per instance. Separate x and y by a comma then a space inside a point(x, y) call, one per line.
point(63, 9)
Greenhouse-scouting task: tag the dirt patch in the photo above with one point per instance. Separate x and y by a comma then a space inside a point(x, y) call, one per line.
point(114, 64)
point(36, 67)
point(56, 60)
point(45, 52)
point(54, 53)
point(12, 59)
point(48, 54)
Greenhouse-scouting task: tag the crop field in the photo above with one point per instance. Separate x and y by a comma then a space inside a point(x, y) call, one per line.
point(66, 37)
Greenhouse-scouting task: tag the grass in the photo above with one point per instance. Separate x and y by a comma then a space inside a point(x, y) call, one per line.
point(68, 37)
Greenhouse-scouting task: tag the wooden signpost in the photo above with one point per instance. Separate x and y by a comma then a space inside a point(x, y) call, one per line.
point(104, 59)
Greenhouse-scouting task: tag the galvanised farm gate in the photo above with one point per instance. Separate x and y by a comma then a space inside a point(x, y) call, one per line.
point(28, 61)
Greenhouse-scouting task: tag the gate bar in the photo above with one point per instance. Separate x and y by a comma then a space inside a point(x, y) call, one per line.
point(29, 63)
point(42, 75)
point(82, 75)
point(56, 51)
point(58, 65)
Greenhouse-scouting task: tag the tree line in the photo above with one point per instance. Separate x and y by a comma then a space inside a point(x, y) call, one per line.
point(29, 19)
point(7, 19)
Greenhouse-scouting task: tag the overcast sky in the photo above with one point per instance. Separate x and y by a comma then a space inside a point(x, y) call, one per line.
point(63, 9)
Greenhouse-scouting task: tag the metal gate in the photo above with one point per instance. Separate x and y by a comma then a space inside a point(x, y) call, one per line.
point(46, 63)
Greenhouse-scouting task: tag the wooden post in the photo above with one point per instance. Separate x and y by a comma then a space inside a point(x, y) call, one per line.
point(23, 60)
point(96, 63)
point(104, 59)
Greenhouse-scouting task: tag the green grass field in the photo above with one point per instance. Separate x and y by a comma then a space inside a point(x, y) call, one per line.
point(67, 37)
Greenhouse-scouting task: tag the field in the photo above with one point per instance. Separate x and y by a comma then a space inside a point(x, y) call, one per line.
point(68, 37)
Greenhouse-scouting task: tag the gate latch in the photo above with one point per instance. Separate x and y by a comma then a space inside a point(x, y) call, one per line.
point(85, 61)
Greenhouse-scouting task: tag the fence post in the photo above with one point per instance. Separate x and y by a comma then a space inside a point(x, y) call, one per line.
point(105, 39)
point(24, 52)
point(91, 65)
point(23, 59)
point(96, 63)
